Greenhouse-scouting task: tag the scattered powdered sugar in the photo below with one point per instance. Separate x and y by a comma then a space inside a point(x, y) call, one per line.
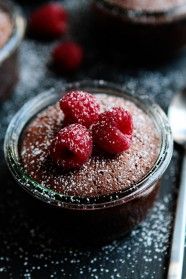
point(27, 249)
point(149, 242)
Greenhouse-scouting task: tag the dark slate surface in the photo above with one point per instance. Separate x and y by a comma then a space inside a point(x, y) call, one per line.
point(27, 246)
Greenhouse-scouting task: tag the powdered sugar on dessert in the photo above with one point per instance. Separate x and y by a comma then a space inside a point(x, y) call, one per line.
point(100, 175)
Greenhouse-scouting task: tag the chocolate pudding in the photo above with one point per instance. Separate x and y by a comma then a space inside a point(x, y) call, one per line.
point(144, 29)
point(8, 66)
point(5, 27)
point(11, 32)
point(100, 175)
point(108, 195)
point(103, 180)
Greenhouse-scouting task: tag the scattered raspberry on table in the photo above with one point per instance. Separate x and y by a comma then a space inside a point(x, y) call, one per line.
point(67, 57)
point(48, 21)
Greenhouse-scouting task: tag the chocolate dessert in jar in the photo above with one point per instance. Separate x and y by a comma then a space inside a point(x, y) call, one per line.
point(97, 163)
point(12, 27)
point(145, 27)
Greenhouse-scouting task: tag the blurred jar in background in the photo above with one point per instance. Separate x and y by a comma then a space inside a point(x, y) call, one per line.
point(143, 26)
point(12, 27)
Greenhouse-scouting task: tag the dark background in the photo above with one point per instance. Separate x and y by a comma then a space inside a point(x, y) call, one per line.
point(29, 247)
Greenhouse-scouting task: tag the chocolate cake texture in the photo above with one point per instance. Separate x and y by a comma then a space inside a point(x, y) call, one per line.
point(101, 175)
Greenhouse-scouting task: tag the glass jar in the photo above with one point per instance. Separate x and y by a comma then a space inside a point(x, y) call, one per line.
point(9, 51)
point(142, 31)
point(103, 217)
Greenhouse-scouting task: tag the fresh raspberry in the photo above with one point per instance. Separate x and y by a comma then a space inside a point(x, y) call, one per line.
point(67, 57)
point(48, 22)
point(80, 107)
point(72, 146)
point(113, 131)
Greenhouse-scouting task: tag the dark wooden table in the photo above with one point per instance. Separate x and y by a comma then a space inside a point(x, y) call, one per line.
point(28, 248)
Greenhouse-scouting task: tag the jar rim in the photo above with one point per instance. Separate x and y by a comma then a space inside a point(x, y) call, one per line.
point(40, 102)
point(18, 30)
point(144, 16)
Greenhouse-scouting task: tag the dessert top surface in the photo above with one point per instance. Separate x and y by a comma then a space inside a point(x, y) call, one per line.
point(148, 5)
point(5, 27)
point(100, 175)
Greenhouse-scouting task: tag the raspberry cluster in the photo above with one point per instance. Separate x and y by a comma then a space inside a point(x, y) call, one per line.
point(49, 22)
point(111, 130)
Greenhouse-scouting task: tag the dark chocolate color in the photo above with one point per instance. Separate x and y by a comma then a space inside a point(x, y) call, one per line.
point(30, 246)
point(9, 65)
point(8, 75)
point(141, 33)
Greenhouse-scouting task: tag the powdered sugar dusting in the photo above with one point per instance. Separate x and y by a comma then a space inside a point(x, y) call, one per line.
point(100, 175)
point(71, 147)
point(80, 107)
point(27, 249)
point(149, 241)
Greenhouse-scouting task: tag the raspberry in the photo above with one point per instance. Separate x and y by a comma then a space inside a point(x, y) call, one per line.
point(113, 131)
point(80, 107)
point(71, 147)
point(49, 21)
point(67, 57)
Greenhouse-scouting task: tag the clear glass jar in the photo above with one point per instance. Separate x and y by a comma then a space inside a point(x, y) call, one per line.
point(9, 52)
point(109, 216)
